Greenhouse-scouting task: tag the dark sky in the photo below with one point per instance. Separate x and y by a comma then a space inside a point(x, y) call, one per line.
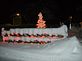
point(29, 9)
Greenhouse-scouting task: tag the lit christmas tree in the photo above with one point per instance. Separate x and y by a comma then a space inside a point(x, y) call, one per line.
point(41, 22)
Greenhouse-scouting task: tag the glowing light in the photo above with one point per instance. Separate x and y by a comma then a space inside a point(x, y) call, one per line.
point(17, 14)
point(70, 17)
point(41, 22)
point(5, 39)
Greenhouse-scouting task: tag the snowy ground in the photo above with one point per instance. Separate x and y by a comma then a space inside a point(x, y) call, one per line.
point(68, 49)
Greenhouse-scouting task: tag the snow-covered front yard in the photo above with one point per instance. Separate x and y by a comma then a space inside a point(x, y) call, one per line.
point(68, 49)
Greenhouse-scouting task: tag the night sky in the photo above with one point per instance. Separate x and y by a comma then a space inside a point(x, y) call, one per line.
point(53, 10)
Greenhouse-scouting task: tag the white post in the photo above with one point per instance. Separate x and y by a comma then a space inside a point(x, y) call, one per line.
point(70, 26)
point(70, 22)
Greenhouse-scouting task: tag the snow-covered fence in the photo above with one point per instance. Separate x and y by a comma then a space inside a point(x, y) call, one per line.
point(34, 31)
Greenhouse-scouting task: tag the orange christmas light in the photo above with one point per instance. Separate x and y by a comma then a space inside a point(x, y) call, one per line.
point(41, 22)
